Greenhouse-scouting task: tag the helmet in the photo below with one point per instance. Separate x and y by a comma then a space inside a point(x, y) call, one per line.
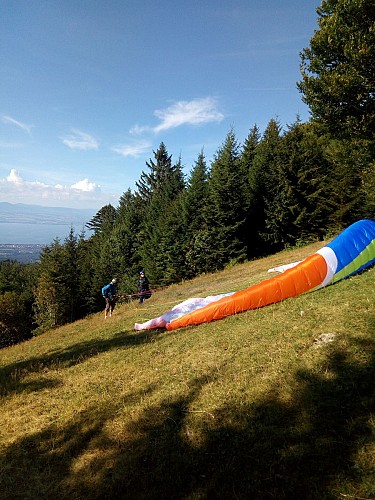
point(113, 281)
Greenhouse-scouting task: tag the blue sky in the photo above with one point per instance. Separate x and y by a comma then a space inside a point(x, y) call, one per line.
point(90, 88)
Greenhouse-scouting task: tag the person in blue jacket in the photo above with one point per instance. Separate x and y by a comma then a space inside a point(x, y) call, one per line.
point(109, 293)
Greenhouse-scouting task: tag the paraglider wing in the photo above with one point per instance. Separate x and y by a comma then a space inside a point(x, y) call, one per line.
point(349, 253)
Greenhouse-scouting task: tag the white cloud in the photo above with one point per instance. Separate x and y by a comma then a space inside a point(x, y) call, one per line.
point(14, 178)
point(85, 185)
point(80, 140)
point(195, 112)
point(81, 194)
point(134, 149)
point(13, 121)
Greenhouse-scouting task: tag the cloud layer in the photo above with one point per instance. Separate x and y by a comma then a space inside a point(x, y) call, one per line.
point(14, 188)
point(80, 194)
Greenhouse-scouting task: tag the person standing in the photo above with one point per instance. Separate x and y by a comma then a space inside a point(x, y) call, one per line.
point(109, 293)
point(143, 287)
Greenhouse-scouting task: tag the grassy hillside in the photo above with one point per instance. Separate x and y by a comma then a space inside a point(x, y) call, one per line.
point(263, 404)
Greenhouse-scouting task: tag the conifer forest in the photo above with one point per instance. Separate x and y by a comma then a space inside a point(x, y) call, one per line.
point(285, 186)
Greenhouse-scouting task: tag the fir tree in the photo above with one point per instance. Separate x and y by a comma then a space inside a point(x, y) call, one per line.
point(195, 207)
point(304, 190)
point(158, 190)
point(247, 159)
point(103, 220)
point(57, 294)
point(263, 188)
point(227, 203)
point(127, 237)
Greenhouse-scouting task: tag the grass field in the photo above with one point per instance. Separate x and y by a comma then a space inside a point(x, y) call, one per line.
point(276, 403)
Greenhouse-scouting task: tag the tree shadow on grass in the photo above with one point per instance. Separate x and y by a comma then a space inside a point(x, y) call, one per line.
point(271, 449)
point(304, 448)
point(12, 376)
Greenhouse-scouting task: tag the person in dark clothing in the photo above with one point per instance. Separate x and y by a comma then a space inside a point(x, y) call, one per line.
point(109, 293)
point(143, 287)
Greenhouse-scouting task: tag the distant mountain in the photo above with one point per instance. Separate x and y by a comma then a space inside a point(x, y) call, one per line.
point(35, 224)
point(37, 214)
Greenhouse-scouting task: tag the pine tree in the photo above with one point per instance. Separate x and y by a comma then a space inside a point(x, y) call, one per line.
point(102, 256)
point(49, 294)
point(126, 238)
point(263, 187)
point(226, 198)
point(305, 186)
point(160, 170)
point(72, 277)
point(17, 281)
point(195, 198)
point(158, 191)
point(57, 294)
point(172, 244)
point(103, 220)
point(195, 207)
point(247, 159)
point(250, 146)
point(88, 287)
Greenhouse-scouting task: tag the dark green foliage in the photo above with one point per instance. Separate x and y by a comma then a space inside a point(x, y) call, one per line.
point(368, 190)
point(227, 205)
point(103, 220)
point(163, 177)
point(195, 197)
point(127, 234)
point(195, 210)
point(338, 69)
point(16, 301)
point(251, 191)
point(15, 324)
point(158, 189)
point(58, 292)
point(172, 244)
point(351, 196)
point(17, 277)
point(89, 294)
point(264, 179)
point(304, 190)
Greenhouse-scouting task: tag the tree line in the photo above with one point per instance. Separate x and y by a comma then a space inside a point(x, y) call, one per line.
point(279, 188)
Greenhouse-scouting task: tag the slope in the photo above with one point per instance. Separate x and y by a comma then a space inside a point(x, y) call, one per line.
point(272, 403)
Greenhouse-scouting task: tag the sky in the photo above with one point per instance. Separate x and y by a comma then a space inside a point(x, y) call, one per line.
point(89, 89)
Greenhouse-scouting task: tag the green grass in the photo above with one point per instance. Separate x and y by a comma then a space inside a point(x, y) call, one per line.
point(252, 406)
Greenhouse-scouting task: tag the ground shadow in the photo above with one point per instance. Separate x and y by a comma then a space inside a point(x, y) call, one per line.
point(270, 449)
